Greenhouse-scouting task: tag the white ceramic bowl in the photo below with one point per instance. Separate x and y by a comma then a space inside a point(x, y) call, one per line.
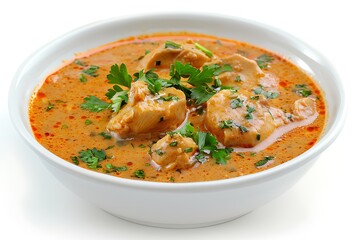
point(176, 205)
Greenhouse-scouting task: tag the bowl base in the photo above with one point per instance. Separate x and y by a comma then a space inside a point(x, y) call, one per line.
point(177, 225)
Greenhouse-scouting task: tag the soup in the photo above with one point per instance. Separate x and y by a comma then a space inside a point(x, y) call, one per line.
point(178, 107)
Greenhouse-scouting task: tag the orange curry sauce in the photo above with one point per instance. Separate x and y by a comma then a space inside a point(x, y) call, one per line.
point(64, 128)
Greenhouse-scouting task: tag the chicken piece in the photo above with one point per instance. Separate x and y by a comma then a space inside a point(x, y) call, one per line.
point(162, 57)
point(146, 114)
point(173, 152)
point(237, 121)
point(245, 72)
point(304, 108)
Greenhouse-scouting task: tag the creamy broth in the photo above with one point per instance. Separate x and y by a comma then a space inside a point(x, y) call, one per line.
point(65, 128)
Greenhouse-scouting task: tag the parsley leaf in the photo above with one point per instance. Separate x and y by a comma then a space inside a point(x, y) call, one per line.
point(94, 104)
point(264, 161)
point(271, 95)
point(111, 168)
point(139, 174)
point(119, 75)
point(225, 68)
point(155, 84)
point(236, 103)
point(201, 94)
point(263, 61)
point(226, 124)
point(221, 156)
point(92, 157)
point(91, 71)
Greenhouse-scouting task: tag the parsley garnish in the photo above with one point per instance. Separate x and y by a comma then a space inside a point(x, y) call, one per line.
point(119, 75)
point(78, 62)
point(263, 61)
point(139, 174)
point(169, 98)
point(88, 122)
point(91, 71)
point(236, 103)
point(94, 104)
point(111, 168)
point(302, 89)
point(226, 124)
point(159, 152)
point(75, 160)
point(187, 150)
point(155, 84)
point(173, 144)
point(82, 78)
point(204, 50)
point(264, 161)
point(105, 135)
point(49, 106)
point(92, 157)
point(207, 144)
point(271, 95)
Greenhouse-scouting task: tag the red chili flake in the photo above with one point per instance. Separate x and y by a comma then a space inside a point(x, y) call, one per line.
point(83, 117)
point(41, 95)
point(98, 117)
point(129, 163)
point(38, 135)
point(47, 134)
point(71, 117)
point(282, 83)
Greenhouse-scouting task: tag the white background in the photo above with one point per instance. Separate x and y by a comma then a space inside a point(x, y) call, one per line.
point(325, 204)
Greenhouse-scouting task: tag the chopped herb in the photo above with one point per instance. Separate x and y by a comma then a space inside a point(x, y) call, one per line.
point(155, 84)
point(173, 45)
point(236, 103)
point(225, 68)
point(221, 156)
point(204, 50)
point(92, 157)
point(253, 154)
point(172, 179)
point(75, 160)
point(255, 98)
point(105, 135)
point(88, 122)
point(49, 106)
point(118, 100)
point(189, 149)
point(78, 62)
point(91, 71)
point(147, 164)
point(217, 82)
point(110, 147)
point(169, 98)
point(305, 92)
point(159, 152)
point(94, 104)
point(226, 124)
point(271, 95)
point(264, 161)
point(119, 75)
point(173, 144)
point(139, 174)
point(248, 116)
point(142, 146)
point(201, 94)
point(200, 157)
point(82, 78)
point(64, 126)
point(258, 90)
point(263, 61)
point(111, 168)
point(302, 89)
point(132, 145)
point(157, 63)
point(238, 79)
point(258, 136)
point(241, 155)
point(243, 129)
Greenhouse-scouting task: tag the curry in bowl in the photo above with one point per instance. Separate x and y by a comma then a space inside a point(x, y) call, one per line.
point(178, 107)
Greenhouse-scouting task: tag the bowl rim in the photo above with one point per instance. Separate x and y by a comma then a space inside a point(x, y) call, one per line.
point(325, 141)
